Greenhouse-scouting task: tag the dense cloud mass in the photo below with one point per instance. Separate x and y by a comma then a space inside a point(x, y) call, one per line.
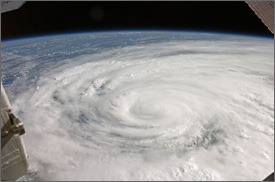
point(144, 106)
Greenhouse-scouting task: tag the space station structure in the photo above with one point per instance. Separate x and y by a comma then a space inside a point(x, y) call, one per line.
point(265, 11)
point(14, 159)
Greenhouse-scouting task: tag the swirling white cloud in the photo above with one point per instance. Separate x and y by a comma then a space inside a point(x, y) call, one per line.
point(174, 110)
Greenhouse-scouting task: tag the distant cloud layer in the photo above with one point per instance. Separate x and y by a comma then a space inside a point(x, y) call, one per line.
point(198, 107)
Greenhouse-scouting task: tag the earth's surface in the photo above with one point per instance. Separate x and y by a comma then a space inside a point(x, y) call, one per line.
point(144, 105)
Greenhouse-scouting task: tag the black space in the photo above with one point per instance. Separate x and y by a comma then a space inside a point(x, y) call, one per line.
point(36, 18)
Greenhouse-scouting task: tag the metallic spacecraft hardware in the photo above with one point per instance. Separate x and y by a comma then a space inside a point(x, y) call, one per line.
point(10, 5)
point(265, 11)
point(270, 177)
point(14, 160)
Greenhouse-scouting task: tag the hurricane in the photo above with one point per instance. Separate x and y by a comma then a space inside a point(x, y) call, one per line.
point(144, 105)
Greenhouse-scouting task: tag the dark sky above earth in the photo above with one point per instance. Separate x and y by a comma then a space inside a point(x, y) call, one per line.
point(37, 18)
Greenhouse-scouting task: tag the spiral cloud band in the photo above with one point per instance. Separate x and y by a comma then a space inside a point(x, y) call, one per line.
point(180, 109)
